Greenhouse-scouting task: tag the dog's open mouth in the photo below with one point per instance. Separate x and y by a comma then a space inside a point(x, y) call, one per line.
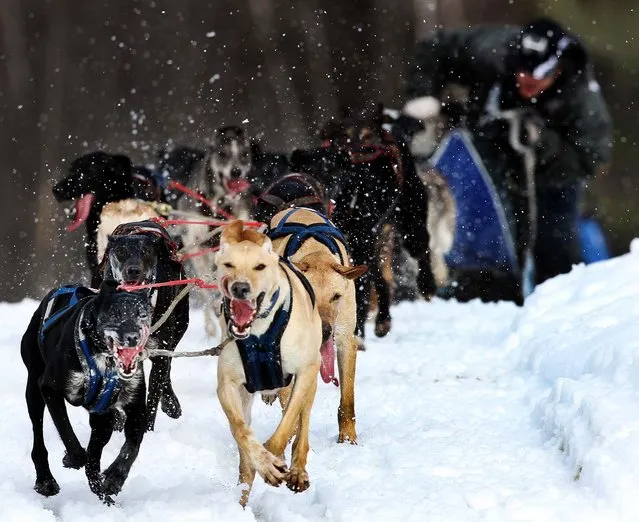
point(237, 186)
point(242, 313)
point(80, 210)
point(127, 358)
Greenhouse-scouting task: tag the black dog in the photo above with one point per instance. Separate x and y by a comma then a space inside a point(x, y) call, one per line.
point(373, 180)
point(139, 253)
point(87, 349)
point(99, 178)
point(94, 180)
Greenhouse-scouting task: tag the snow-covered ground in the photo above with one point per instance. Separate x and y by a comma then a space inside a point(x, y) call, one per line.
point(464, 412)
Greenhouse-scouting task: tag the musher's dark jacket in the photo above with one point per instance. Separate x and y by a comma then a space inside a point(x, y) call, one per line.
point(576, 133)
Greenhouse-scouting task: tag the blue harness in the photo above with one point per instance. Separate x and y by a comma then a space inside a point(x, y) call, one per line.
point(100, 388)
point(260, 354)
point(325, 233)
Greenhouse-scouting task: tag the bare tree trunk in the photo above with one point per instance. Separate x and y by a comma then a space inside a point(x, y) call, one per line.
point(425, 18)
point(289, 106)
point(51, 133)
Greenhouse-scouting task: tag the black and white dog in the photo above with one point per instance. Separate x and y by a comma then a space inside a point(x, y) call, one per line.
point(87, 348)
point(139, 253)
point(236, 170)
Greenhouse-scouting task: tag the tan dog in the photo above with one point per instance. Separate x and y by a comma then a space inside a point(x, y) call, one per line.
point(266, 303)
point(331, 275)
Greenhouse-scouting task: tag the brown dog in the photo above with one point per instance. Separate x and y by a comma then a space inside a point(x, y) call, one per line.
point(269, 312)
point(320, 253)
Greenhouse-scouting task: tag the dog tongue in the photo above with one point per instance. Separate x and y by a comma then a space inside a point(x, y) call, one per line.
point(82, 209)
point(242, 311)
point(327, 368)
point(127, 356)
point(238, 185)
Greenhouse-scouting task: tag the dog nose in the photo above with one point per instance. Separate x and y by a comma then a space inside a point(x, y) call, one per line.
point(132, 340)
point(132, 273)
point(236, 173)
point(240, 290)
point(327, 331)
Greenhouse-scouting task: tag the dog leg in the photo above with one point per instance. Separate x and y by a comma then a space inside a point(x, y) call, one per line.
point(134, 429)
point(425, 279)
point(169, 402)
point(362, 297)
point(159, 380)
point(297, 479)
point(45, 483)
point(383, 318)
point(75, 456)
point(234, 402)
point(247, 470)
point(101, 431)
point(346, 362)
point(303, 388)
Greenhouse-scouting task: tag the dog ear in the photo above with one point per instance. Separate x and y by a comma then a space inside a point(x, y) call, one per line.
point(350, 272)
point(232, 232)
point(267, 245)
point(302, 266)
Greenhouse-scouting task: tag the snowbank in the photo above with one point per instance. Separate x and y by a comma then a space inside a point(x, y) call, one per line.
point(579, 336)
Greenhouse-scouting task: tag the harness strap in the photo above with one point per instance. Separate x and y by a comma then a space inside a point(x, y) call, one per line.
point(261, 355)
point(305, 282)
point(99, 389)
point(325, 233)
point(48, 320)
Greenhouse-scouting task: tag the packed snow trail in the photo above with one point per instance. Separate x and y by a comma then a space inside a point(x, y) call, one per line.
point(464, 412)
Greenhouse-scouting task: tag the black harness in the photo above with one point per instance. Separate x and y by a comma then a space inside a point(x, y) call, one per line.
point(325, 233)
point(261, 354)
point(100, 388)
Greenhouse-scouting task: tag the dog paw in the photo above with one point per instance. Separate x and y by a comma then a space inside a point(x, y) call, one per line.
point(347, 436)
point(47, 487)
point(171, 406)
point(112, 480)
point(75, 460)
point(271, 468)
point(269, 399)
point(382, 328)
point(297, 480)
point(107, 500)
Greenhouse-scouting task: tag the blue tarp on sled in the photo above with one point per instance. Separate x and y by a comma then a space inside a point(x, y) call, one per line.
point(482, 236)
point(592, 240)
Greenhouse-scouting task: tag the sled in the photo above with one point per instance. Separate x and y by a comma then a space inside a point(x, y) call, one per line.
point(483, 238)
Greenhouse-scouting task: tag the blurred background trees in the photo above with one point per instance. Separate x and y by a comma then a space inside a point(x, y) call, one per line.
point(130, 75)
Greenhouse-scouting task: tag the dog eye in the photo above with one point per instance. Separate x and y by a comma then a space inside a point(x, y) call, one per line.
point(221, 154)
point(229, 265)
point(335, 297)
point(259, 267)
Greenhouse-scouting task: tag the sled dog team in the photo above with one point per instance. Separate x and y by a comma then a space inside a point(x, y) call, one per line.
point(287, 305)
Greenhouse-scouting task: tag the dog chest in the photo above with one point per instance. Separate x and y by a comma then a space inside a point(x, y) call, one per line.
point(261, 356)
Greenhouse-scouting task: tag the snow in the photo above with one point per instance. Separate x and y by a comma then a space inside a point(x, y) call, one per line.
point(464, 412)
